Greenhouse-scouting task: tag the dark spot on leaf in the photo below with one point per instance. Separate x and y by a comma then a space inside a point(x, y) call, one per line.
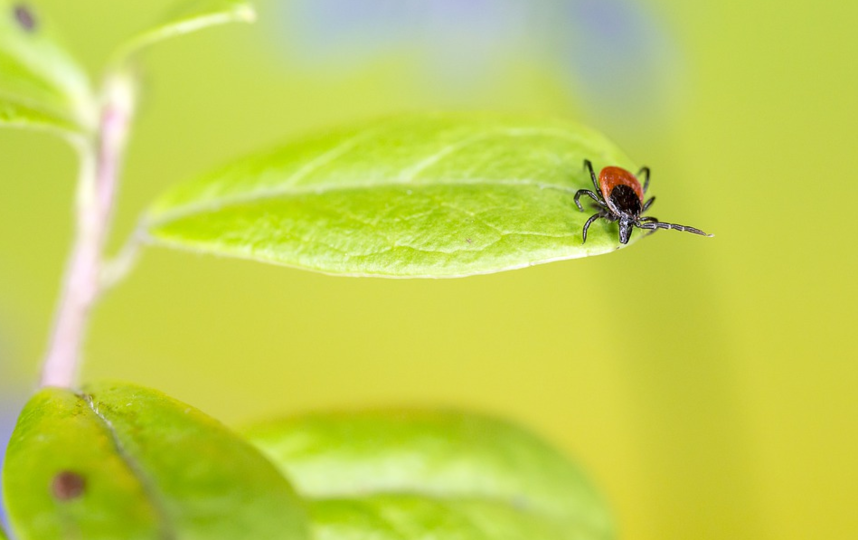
point(25, 17)
point(468, 240)
point(68, 485)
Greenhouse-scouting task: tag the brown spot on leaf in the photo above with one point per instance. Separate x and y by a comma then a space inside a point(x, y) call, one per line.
point(68, 485)
point(25, 17)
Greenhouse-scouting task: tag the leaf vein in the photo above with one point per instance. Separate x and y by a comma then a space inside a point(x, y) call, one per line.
point(167, 530)
point(327, 157)
point(414, 172)
point(290, 191)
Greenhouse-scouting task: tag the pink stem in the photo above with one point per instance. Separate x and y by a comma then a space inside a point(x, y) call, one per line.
point(82, 283)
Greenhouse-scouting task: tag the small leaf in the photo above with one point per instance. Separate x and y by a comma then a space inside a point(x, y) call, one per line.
point(38, 72)
point(121, 461)
point(419, 469)
point(3, 534)
point(424, 196)
point(189, 17)
point(18, 115)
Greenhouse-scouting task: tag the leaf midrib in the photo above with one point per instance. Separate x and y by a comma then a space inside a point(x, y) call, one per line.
point(167, 530)
point(217, 204)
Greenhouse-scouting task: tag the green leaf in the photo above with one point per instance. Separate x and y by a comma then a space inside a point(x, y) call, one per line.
point(411, 517)
point(189, 17)
point(400, 473)
point(3, 534)
point(421, 196)
point(35, 70)
point(19, 115)
point(119, 461)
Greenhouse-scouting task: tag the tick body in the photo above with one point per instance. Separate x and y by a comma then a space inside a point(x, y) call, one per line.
point(619, 196)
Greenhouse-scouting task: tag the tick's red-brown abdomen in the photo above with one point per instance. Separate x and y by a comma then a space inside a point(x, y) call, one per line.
point(611, 177)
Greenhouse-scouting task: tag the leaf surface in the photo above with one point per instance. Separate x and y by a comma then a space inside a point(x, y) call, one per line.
point(405, 474)
point(38, 72)
point(188, 17)
point(412, 517)
point(19, 115)
point(419, 196)
point(120, 461)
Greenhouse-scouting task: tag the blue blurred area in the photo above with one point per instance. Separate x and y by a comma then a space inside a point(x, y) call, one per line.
point(612, 55)
point(11, 403)
point(347, 34)
point(618, 58)
point(457, 47)
point(12, 398)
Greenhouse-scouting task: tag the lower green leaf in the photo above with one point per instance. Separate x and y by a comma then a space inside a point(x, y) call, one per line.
point(410, 517)
point(405, 474)
point(120, 461)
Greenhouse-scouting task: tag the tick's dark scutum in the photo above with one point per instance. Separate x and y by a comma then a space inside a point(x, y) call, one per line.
point(626, 200)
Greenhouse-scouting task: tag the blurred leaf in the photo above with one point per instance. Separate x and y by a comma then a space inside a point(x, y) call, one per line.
point(18, 115)
point(121, 461)
point(413, 517)
point(416, 472)
point(35, 70)
point(425, 196)
point(190, 16)
point(3, 534)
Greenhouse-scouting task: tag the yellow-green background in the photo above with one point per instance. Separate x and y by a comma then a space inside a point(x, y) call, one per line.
point(707, 385)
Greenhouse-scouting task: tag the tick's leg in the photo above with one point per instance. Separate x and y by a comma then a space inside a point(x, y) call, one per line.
point(648, 204)
point(589, 167)
point(659, 225)
point(590, 194)
point(645, 172)
point(590, 221)
point(645, 220)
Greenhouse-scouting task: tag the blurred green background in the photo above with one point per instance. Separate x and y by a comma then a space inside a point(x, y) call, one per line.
point(707, 385)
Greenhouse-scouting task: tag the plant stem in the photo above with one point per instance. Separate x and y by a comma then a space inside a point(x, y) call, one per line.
point(101, 160)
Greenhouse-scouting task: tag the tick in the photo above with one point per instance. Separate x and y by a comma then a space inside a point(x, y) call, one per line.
point(620, 197)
